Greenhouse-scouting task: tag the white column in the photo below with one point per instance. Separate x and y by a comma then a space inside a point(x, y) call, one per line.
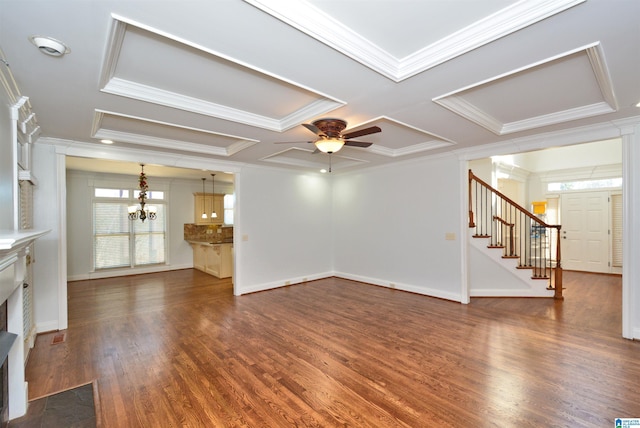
point(17, 386)
point(631, 227)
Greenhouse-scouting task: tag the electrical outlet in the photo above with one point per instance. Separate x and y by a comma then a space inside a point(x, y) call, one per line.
point(392, 285)
point(287, 283)
point(450, 236)
point(245, 237)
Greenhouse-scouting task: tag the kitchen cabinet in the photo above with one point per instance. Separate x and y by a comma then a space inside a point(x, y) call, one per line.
point(213, 258)
point(199, 257)
point(208, 203)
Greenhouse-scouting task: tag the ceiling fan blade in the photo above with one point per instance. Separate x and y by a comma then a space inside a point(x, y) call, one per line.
point(357, 143)
point(360, 133)
point(292, 142)
point(313, 129)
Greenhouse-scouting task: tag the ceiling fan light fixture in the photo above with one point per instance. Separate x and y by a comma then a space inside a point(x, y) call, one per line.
point(329, 145)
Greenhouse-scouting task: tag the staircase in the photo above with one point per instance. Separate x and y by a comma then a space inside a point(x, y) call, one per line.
point(513, 252)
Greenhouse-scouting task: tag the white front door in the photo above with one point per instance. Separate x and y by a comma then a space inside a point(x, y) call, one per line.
point(585, 231)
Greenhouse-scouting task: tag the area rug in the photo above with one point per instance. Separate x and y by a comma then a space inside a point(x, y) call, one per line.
point(73, 408)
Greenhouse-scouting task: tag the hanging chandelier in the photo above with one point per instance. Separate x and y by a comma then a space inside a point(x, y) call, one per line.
point(142, 213)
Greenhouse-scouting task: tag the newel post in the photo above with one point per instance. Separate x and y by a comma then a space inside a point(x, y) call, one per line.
point(471, 222)
point(558, 273)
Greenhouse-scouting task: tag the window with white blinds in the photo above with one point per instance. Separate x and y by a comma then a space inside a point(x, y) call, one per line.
point(120, 242)
point(229, 206)
point(616, 230)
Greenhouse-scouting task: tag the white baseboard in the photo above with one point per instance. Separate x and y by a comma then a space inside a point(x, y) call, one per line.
point(43, 327)
point(281, 283)
point(129, 271)
point(425, 291)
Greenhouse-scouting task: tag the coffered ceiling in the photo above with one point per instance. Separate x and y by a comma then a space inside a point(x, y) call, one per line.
point(228, 79)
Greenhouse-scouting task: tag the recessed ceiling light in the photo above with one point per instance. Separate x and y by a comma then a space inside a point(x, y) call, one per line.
point(324, 171)
point(106, 141)
point(49, 46)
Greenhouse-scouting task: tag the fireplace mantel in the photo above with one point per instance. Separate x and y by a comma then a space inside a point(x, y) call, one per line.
point(14, 255)
point(12, 241)
point(13, 247)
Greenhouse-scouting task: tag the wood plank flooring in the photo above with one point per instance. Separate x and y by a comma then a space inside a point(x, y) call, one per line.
point(178, 349)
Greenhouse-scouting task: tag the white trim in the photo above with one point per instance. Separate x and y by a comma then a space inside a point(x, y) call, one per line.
point(138, 91)
point(409, 150)
point(324, 28)
point(456, 102)
point(47, 326)
point(412, 288)
point(600, 131)
point(61, 195)
point(110, 273)
point(281, 283)
point(98, 132)
point(630, 247)
point(465, 292)
point(91, 150)
point(109, 83)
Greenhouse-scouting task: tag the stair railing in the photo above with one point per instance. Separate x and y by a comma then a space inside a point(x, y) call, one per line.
point(520, 233)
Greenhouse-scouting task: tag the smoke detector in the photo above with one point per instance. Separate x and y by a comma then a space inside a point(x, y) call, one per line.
point(49, 46)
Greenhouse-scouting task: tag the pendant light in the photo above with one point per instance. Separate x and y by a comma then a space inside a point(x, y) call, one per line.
point(204, 214)
point(213, 191)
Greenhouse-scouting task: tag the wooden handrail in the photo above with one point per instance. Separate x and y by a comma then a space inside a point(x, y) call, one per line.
point(510, 225)
point(534, 253)
point(506, 198)
point(500, 220)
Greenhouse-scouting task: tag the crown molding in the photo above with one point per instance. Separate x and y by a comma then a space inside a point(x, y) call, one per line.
point(113, 152)
point(409, 150)
point(456, 102)
point(110, 83)
point(600, 131)
point(102, 133)
point(324, 28)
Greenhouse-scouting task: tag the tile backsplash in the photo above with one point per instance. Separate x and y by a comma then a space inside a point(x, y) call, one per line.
point(208, 233)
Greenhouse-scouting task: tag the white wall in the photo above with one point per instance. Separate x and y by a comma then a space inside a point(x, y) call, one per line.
point(179, 194)
point(483, 169)
point(604, 152)
point(283, 228)
point(390, 223)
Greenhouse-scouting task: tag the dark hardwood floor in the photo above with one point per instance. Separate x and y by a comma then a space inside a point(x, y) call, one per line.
point(178, 349)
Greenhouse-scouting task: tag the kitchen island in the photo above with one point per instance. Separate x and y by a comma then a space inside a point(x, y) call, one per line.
point(214, 258)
